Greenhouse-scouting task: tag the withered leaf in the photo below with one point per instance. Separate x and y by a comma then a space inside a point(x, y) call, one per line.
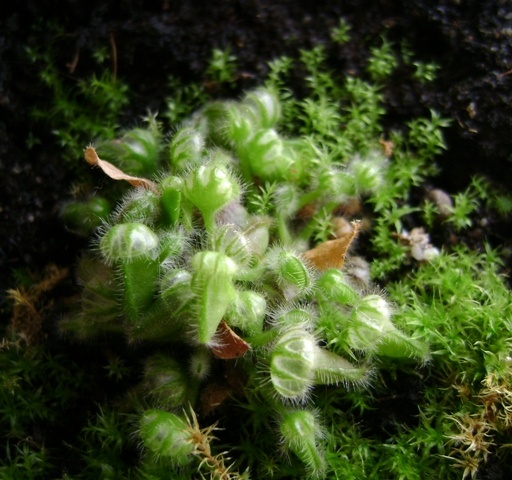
point(331, 254)
point(230, 345)
point(115, 173)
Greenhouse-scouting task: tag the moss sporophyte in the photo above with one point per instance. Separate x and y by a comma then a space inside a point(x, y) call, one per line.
point(186, 263)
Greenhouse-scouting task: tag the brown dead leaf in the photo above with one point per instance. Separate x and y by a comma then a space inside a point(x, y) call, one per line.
point(115, 173)
point(230, 345)
point(331, 254)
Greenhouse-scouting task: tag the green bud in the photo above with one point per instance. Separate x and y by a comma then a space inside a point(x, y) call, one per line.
point(332, 287)
point(141, 150)
point(225, 239)
point(214, 121)
point(331, 369)
point(266, 157)
point(292, 274)
point(207, 264)
point(238, 126)
point(369, 323)
point(373, 329)
point(301, 433)
point(247, 312)
point(129, 241)
point(234, 214)
point(99, 302)
point(134, 247)
point(172, 281)
point(263, 108)
point(209, 188)
point(172, 244)
point(166, 435)
point(257, 232)
point(397, 344)
point(343, 186)
point(166, 381)
point(186, 149)
point(373, 308)
point(84, 217)
point(213, 289)
point(176, 292)
point(296, 317)
point(292, 364)
point(298, 363)
point(170, 200)
point(332, 185)
point(139, 206)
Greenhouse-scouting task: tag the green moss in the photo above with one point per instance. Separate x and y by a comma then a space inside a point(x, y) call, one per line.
point(77, 113)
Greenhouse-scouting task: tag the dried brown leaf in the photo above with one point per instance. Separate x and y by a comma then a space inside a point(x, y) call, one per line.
point(230, 345)
point(331, 254)
point(115, 173)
